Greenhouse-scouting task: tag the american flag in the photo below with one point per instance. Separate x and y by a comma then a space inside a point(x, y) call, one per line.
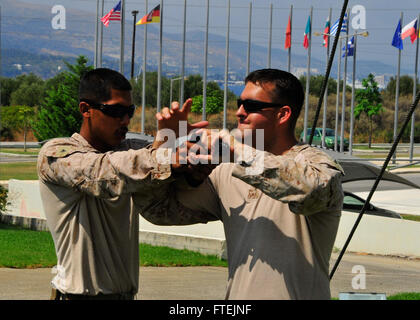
point(113, 15)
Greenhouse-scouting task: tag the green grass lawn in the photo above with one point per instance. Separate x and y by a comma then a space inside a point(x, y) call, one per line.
point(18, 170)
point(29, 151)
point(22, 248)
point(411, 217)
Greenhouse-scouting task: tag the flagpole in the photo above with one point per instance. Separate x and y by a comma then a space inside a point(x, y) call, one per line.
point(414, 91)
point(122, 37)
point(95, 58)
point(352, 95)
point(324, 116)
point(159, 84)
point(225, 94)
point(206, 50)
point(289, 50)
point(337, 102)
point(248, 56)
point(308, 76)
point(101, 38)
point(143, 92)
point(181, 99)
point(270, 33)
point(343, 102)
point(397, 93)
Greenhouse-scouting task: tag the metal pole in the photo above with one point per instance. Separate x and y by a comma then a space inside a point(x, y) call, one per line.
point(133, 48)
point(397, 93)
point(352, 97)
point(414, 93)
point(143, 92)
point(122, 37)
point(324, 116)
point(248, 56)
point(270, 32)
point(343, 102)
point(308, 77)
point(337, 102)
point(225, 94)
point(206, 50)
point(289, 50)
point(95, 58)
point(159, 84)
point(181, 99)
point(101, 38)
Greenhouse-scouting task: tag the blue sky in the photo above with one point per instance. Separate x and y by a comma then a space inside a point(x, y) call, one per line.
point(381, 20)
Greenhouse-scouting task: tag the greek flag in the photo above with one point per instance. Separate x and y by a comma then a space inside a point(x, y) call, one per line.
point(335, 26)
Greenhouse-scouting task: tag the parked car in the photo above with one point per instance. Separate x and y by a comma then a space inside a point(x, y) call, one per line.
point(354, 203)
point(329, 138)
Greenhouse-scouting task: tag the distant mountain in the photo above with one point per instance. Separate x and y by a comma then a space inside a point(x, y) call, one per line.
point(30, 44)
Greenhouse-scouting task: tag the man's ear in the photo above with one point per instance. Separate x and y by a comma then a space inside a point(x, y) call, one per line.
point(284, 115)
point(84, 109)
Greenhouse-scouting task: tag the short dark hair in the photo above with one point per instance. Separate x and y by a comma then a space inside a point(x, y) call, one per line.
point(287, 91)
point(96, 84)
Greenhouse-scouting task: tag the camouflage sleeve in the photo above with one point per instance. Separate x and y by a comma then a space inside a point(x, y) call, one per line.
point(104, 175)
point(179, 204)
point(309, 180)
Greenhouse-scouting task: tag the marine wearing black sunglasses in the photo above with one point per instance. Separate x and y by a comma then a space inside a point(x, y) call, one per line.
point(256, 105)
point(113, 110)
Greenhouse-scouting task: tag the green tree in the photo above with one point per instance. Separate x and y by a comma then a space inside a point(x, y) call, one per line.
point(28, 94)
point(214, 100)
point(369, 102)
point(406, 86)
point(59, 114)
point(8, 86)
point(18, 118)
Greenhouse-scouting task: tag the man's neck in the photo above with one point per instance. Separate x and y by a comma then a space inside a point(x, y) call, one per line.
point(282, 145)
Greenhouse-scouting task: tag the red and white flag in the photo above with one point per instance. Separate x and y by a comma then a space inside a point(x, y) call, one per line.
point(410, 30)
point(113, 15)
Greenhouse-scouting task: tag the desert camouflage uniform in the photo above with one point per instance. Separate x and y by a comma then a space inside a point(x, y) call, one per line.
point(280, 225)
point(90, 202)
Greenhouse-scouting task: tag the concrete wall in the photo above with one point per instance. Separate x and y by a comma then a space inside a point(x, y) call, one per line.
point(375, 235)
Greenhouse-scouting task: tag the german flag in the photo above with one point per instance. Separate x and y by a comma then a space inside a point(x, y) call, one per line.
point(153, 16)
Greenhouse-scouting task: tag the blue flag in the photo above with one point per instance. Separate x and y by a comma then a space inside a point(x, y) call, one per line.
point(397, 41)
point(335, 26)
point(350, 48)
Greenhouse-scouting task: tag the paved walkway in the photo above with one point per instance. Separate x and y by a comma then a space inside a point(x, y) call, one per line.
point(383, 275)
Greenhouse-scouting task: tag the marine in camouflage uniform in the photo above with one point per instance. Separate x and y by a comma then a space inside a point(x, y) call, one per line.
point(280, 224)
point(93, 185)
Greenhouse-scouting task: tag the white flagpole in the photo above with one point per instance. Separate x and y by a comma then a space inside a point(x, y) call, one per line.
point(95, 58)
point(143, 92)
point(270, 33)
point(343, 102)
point(225, 94)
point(206, 50)
point(159, 84)
point(248, 56)
point(122, 37)
point(414, 92)
point(324, 116)
point(181, 99)
point(352, 96)
point(397, 93)
point(308, 77)
point(337, 102)
point(101, 37)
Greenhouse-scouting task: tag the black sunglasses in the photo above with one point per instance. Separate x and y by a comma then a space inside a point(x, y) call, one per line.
point(255, 105)
point(113, 110)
